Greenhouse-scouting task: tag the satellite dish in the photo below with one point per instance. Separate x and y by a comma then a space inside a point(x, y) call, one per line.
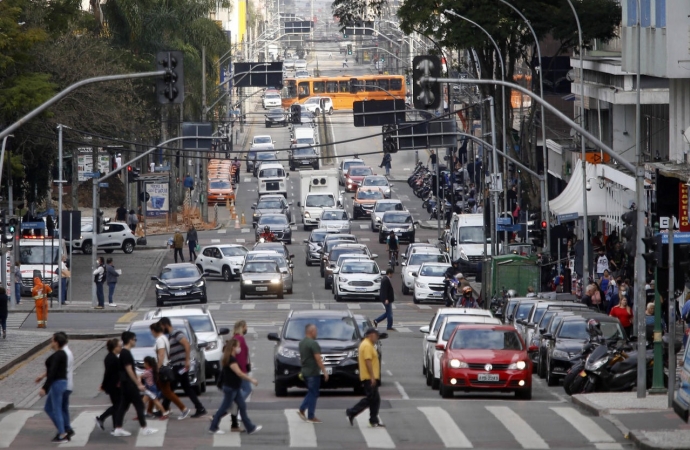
point(570, 76)
point(686, 135)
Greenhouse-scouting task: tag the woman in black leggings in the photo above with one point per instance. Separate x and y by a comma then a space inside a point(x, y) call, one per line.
point(111, 381)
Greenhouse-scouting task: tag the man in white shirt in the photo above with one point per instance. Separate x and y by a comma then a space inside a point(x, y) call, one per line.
point(118, 161)
point(152, 167)
point(602, 263)
point(70, 387)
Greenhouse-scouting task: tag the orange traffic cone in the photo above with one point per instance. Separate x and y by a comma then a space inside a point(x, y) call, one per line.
point(244, 221)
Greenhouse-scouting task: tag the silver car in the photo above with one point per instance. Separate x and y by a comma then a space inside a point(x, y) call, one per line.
point(335, 219)
point(283, 264)
point(382, 206)
point(380, 182)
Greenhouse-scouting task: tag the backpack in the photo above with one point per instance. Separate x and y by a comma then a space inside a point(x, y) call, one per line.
point(98, 278)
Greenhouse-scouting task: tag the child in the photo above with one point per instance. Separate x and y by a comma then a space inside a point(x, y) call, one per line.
point(150, 377)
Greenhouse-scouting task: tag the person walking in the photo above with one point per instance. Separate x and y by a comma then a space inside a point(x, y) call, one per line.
point(192, 241)
point(70, 385)
point(65, 276)
point(179, 360)
point(237, 167)
point(40, 294)
point(130, 389)
point(121, 213)
point(111, 381)
point(162, 348)
point(18, 282)
point(387, 297)
point(111, 275)
point(345, 63)
point(433, 158)
point(242, 357)
point(99, 279)
point(55, 385)
point(370, 376)
point(386, 163)
point(233, 377)
point(4, 300)
point(312, 368)
point(132, 220)
point(178, 244)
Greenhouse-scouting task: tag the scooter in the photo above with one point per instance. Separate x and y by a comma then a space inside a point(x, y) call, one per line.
point(576, 379)
point(615, 369)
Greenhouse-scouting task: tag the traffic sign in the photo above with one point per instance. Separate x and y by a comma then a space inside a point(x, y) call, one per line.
point(103, 185)
point(33, 225)
point(678, 238)
point(567, 217)
point(91, 174)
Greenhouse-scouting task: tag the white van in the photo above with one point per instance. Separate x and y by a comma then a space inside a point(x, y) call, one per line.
point(40, 254)
point(272, 179)
point(467, 241)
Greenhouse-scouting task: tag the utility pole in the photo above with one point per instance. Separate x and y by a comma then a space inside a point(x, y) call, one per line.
point(202, 182)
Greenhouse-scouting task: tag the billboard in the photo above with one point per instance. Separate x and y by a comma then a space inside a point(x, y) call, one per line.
point(85, 162)
point(158, 203)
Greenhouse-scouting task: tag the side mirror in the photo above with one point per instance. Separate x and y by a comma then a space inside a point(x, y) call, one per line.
point(547, 336)
point(292, 256)
point(404, 264)
point(306, 241)
point(287, 175)
point(415, 274)
point(299, 204)
point(292, 224)
point(291, 265)
point(202, 344)
point(542, 330)
point(273, 337)
point(290, 203)
point(336, 269)
point(374, 256)
point(223, 331)
point(154, 279)
point(440, 346)
point(383, 272)
point(520, 321)
point(253, 205)
point(532, 348)
point(430, 338)
point(424, 329)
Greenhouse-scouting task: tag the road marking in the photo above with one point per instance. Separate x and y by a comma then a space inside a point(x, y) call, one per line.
point(446, 428)
point(283, 306)
point(293, 227)
point(302, 434)
point(153, 440)
point(247, 180)
point(404, 330)
point(249, 306)
point(401, 390)
point(520, 430)
point(404, 198)
point(363, 227)
point(354, 306)
point(223, 231)
point(85, 423)
point(127, 317)
point(389, 373)
point(406, 169)
point(245, 230)
point(15, 320)
point(588, 428)
point(213, 307)
point(423, 306)
point(228, 439)
point(240, 241)
point(12, 424)
point(375, 437)
point(364, 240)
point(215, 241)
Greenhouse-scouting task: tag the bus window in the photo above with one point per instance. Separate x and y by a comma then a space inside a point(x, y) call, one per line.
point(303, 89)
point(318, 87)
point(344, 87)
point(290, 90)
point(331, 87)
point(371, 86)
point(396, 84)
point(383, 84)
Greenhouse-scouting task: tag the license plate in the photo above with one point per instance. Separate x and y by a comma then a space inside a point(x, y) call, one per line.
point(360, 289)
point(437, 294)
point(180, 294)
point(487, 377)
point(221, 197)
point(261, 289)
point(329, 371)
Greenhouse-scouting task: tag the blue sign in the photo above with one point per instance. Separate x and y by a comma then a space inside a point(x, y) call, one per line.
point(91, 174)
point(678, 238)
point(504, 221)
point(567, 217)
point(104, 185)
point(512, 228)
point(33, 225)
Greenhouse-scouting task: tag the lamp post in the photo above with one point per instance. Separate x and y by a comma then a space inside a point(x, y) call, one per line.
point(503, 95)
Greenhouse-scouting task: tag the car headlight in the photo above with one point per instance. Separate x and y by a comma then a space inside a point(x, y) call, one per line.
point(463, 255)
point(288, 353)
point(199, 283)
point(520, 365)
point(211, 346)
point(560, 354)
point(307, 215)
point(275, 281)
point(378, 219)
point(256, 215)
point(161, 287)
point(594, 365)
point(353, 353)
point(247, 281)
point(343, 280)
point(457, 364)
point(420, 285)
point(287, 230)
point(384, 228)
point(192, 365)
point(349, 180)
point(285, 275)
point(378, 279)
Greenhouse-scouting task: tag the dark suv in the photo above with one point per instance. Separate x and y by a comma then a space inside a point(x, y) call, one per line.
point(339, 336)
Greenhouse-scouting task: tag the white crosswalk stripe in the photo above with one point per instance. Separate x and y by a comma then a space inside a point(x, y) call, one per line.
point(228, 439)
point(446, 428)
point(588, 428)
point(12, 424)
point(521, 431)
point(153, 440)
point(302, 434)
point(375, 437)
point(85, 423)
point(15, 320)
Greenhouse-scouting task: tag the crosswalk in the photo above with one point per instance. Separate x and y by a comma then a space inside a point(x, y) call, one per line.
point(15, 320)
point(441, 426)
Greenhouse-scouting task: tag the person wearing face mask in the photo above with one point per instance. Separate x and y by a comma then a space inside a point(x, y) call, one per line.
point(242, 357)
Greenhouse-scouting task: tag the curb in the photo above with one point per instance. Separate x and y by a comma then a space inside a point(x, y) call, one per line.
point(141, 295)
point(4, 407)
point(87, 336)
point(640, 440)
point(86, 309)
point(588, 406)
point(26, 355)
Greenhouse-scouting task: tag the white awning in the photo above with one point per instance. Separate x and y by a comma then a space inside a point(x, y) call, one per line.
point(610, 195)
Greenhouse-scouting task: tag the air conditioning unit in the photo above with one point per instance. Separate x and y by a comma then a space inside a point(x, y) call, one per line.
point(316, 181)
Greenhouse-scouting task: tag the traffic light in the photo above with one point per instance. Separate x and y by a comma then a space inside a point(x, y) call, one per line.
point(170, 87)
point(12, 226)
point(295, 114)
point(652, 254)
point(349, 49)
point(389, 145)
point(4, 225)
point(132, 174)
point(629, 232)
point(426, 95)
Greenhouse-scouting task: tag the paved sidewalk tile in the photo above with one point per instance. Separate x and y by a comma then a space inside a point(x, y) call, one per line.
point(18, 343)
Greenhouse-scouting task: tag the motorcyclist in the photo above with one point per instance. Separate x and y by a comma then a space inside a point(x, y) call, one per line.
point(448, 275)
point(267, 235)
point(467, 301)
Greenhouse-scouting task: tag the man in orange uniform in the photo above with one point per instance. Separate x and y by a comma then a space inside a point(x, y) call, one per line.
point(40, 294)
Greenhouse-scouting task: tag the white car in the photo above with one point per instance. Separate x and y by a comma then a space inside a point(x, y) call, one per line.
point(445, 331)
point(115, 236)
point(380, 182)
point(302, 74)
point(271, 100)
point(289, 64)
point(223, 259)
point(436, 321)
point(428, 282)
point(300, 64)
point(204, 328)
point(382, 206)
point(335, 219)
point(317, 105)
point(412, 264)
point(262, 142)
point(357, 278)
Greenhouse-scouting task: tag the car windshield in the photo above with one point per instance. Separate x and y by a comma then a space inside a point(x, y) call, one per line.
point(200, 324)
point(419, 258)
point(266, 173)
point(375, 182)
point(179, 272)
point(523, 310)
point(39, 255)
point(320, 201)
point(312, 101)
point(334, 215)
point(511, 307)
point(471, 235)
point(360, 171)
point(303, 151)
point(336, 252)
point(397, 218)
point(612, 330)
point(251, 155)
point(220, 185)
point(260, 267)
point(328, 329)
point(272, 96)
point(574, 330)
point(486, 340)
point(433, 271)
point(266, 156)
point(387, 206)
point(348, 164)
point(263, 140)
point(545, 318)
point(332, 243)
point(233, 251)
point(368, 267)
point(554, 324)
point(273, 204)
point(365, 194)
point(273, 220)
point(538, 314)
point(305, 140)
point(278, 259)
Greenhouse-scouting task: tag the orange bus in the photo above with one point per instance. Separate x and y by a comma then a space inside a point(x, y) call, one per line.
point(373, 87)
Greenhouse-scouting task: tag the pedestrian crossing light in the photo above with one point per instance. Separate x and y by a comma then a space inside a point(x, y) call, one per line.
point(349, 48)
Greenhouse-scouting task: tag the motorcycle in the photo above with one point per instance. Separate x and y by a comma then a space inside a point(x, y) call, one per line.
point(451, 293)
point(574, 382)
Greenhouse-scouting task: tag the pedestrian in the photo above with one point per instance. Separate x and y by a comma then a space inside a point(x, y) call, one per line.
point(386, 162)
point(233, 377)
point(111, 275)
point(602, 262)
point(312, 368)
point(189, 183)
point(433, 158)
point(118, 161)
point(99, 278)
point(237, 167)
point(152, 166)
point(624, 314)
point(65, 276)
point(121, 213)
point(330, 55)
point(345, 63)
point(40, 294)
point(244, 364)
point(179, 361)
point(50, 225)
point(130, 389)
point(150, 380)
point(111, 381)
point(4, 300)
point(55, 385)
point(165, 375)
point(387, 297)
point(192, 241)
point(178, 244)
point(18, 282)
point(370, 376)
point(132, 220)
point(70, 385)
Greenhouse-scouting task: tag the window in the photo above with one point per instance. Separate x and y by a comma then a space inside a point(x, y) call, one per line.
point(332, 329)
point(277, 219)
point(208, 252)
point(234, 251)
point(371, 86)
point(114, 228)
point(344, 87)
point(331, 87)
point(432, 271)
point(384, 84)
point(660, 7)
point(486, 340)
point(180, 272)
point(396, 84)
point(303, 89)
point(318, 87)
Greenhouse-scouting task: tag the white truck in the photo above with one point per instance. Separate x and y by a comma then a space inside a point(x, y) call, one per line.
point(39, 254)
point(319, 190)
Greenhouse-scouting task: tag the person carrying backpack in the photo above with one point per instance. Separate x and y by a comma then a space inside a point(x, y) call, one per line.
point(99, 278)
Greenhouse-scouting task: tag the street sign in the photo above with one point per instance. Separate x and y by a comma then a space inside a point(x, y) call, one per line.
point(192, 129)
point(423, 135)
point(562, 218)
point(258, 74)
point(103, 185)
point(512, 228)
point(374, 113)
point(678, 238)
point(504, 221)
point(91, 174)
point(33, 225)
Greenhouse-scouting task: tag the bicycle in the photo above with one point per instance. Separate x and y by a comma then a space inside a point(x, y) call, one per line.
point(392, 258)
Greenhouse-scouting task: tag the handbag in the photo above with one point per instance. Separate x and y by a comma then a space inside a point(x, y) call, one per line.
point(197, 248)
point(166, 374)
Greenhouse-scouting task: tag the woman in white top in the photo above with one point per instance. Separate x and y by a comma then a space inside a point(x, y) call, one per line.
point(162, 348)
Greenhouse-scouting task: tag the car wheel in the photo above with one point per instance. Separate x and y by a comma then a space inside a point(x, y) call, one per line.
point(325, 284)
point(412, 239)
point(306, 227)
point(128, 246)
point(405, 289)
point(110, 250)
point(524, 394)
point(307, 262)
point(435, 383)
point(87, 247)
point(415, 300)
point(203, 387)
point(280, 389)
point(281, 295)
point(317, 111)
point(242, 295)
point(551, 380)
point(330, 111)
point(159, 303)
point(423, 370)
point(227, 273)
point(292, 168)
point(204, 300)
point(429, 375)
point(540, 368)
point(289, 242)
point(289, 291)
point(380, 240)
point(372, 227)
point(268, 125)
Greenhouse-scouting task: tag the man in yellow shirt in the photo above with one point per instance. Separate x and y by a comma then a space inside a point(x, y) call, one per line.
point(370, 375)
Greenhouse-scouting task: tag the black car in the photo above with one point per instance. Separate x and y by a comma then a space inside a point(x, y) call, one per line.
point(400, 222)
point(180, 282)
point(303, 156)
point(271, 204)
point(261, 277)
point(314, 245)
point(339, 335)
point(547, 326)
point(261, 157)
point(569, 340)
point(276, 117)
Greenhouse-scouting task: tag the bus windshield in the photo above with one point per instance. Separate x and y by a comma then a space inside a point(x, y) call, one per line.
point(39, 254)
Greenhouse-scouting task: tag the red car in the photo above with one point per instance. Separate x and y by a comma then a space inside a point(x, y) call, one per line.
point(355, 175)
point(485, 358)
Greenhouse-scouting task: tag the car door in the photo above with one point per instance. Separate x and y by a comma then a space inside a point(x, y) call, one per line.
point(286, 209)
point(206, 260)
point(112, 237)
